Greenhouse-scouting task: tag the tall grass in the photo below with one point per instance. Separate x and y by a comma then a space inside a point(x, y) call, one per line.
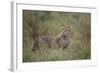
point(52, 22)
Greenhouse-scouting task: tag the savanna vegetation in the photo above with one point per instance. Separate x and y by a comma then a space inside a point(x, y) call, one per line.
point(49, 25)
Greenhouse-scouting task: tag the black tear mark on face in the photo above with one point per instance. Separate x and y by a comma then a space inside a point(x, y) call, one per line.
point(66, 34)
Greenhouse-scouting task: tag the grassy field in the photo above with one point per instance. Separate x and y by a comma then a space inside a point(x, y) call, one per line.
point(52, 23)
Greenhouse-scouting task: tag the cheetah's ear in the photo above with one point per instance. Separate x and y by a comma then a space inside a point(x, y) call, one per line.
point(71, 27)
point(63, 27)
